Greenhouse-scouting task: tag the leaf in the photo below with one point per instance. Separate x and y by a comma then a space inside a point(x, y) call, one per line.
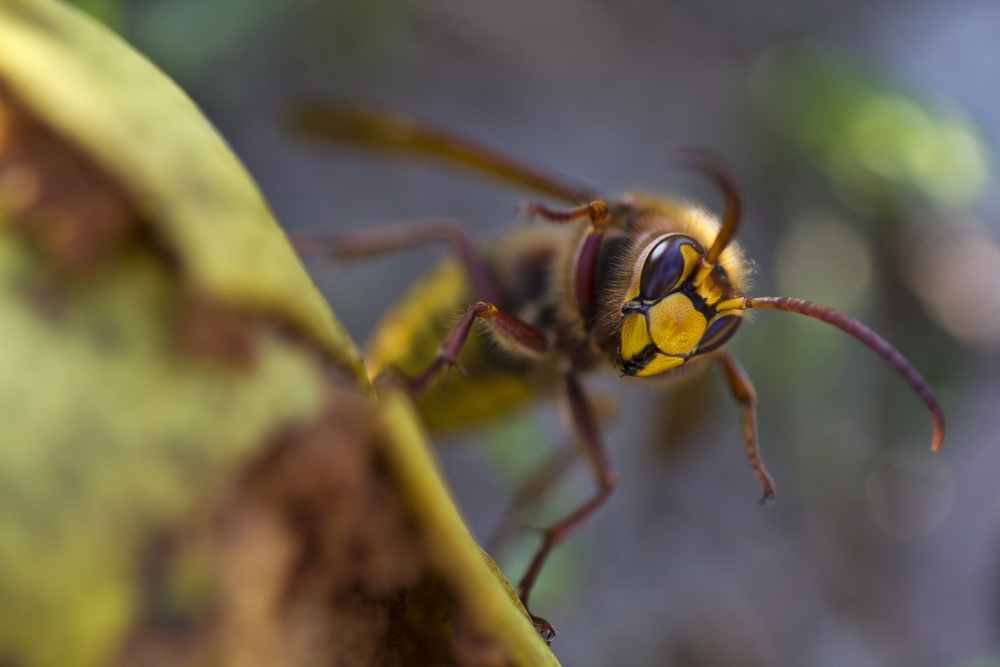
point(171, 380)
point(145, 131)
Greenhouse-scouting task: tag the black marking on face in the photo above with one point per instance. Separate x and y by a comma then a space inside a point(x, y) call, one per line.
point(697, 300)
point(640, 361)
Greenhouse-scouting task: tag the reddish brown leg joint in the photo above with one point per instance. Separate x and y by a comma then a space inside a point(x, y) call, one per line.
point(586, 255)
point(746, 397)
point(518, 336)
point(596, 210)
point(593, 449)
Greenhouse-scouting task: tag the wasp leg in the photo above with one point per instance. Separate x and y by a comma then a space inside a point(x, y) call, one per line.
point(744, 394)
point(531, 491)
point(593, 448)
point(400, 236)
point(546, 476)
point(596, 210)
point(584, 265)
point(517, 336)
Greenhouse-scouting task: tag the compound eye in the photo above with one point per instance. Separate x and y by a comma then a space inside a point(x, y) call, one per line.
point(718, 333)
point(664, 267)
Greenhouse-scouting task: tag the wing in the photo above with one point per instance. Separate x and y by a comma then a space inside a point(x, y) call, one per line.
point(378, 127)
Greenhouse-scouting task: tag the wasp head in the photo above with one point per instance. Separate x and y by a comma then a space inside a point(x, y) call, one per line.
point(668, 318)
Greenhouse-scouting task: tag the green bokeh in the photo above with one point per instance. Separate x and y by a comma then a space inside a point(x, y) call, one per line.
point(876, 141)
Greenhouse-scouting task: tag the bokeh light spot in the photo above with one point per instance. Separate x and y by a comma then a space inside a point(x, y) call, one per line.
point(957, 276)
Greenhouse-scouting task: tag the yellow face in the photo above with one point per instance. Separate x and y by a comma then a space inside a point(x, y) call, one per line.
point(668, 321)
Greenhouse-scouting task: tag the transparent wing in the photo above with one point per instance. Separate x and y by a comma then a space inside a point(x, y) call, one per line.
point(378, 127)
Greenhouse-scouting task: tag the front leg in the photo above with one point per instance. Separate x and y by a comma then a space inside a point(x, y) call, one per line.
point(744, 394)
point(518, 337)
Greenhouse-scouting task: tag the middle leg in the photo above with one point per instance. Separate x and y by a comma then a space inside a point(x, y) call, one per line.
point(518, 337)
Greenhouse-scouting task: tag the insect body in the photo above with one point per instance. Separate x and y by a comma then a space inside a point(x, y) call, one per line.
point(493, 382)
point(646, 285)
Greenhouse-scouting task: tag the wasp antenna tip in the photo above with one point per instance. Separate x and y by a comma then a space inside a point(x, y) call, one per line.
point(937, 442)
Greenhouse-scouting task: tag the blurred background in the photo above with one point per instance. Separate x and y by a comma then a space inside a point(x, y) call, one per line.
point(864, 138)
